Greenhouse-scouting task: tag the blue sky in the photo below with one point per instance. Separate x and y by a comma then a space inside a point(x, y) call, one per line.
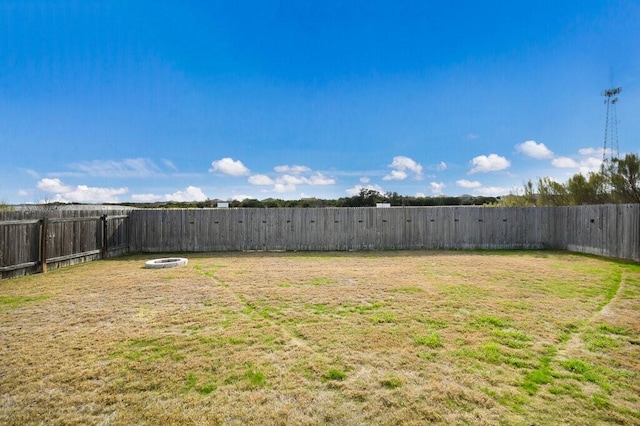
point(113, 101)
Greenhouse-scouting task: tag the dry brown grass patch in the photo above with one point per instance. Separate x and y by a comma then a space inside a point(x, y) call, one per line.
point(308, 338)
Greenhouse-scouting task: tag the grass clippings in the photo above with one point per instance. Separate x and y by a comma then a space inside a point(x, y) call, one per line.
point(325, 338)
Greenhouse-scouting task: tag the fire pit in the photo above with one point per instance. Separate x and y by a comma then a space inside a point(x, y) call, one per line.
point(167, 262)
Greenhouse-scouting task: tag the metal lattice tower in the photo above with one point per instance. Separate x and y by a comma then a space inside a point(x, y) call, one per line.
point(611, 149)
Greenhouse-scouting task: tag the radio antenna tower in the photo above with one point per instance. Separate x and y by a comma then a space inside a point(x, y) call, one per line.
point(611, 149)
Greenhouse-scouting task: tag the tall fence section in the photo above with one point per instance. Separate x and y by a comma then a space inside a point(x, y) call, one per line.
point(358, 228)
point(29, 245)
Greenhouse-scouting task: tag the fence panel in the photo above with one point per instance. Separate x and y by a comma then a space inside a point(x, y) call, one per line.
point(608, 230)
point(84, 235)
point(19, 253)
point(59, 238)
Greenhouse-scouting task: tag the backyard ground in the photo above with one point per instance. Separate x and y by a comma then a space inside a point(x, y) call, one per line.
point(409, 337)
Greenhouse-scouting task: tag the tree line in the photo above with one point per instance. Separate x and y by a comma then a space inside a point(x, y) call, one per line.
point(616, 182)
point(365, 198)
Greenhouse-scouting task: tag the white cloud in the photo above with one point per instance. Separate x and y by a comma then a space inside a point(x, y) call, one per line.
point(490, 163)
point(534, 150)
point(400, 166)
point(405, 163)
point(288, 182)
point(591, 151)
point(22, 192)
point(356, 189)
point(292, 169)
point(260, 180)
point(53, 186)
point(437, 188)
point(440, 167)
point(590, 164)
point(127, 168)
point(491, 191)
point(284, 187)
point(320, 179)
point(79, 194)
point(464, 183)
point(364, 180)
point(396, 175)
point(591, 161)
point(564, 163)
point(240, 197)
point(31, 173)
point(472, 136)
point(192, 193)
point(229, 166)
point(146, 198)
point(170, 164)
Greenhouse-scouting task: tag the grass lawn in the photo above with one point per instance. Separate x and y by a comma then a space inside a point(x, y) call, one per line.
point(406, 337)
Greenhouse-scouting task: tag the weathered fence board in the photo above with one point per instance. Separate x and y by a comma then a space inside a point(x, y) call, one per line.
point(20, 245)
point(79, 236)
point(608, 230)
point(59, 238)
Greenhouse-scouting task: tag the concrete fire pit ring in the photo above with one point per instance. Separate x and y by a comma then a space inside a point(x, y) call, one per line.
point(166, 262)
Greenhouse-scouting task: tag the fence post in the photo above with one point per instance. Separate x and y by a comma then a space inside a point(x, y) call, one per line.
point(42, 252)
point(105, 247)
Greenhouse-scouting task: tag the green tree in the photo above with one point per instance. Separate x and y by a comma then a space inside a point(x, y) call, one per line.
point(4, 207)
point(588, 191)
point(366, 198)
point(527, 199)
point(251, 202)
point(625, 179)
point(552, 193)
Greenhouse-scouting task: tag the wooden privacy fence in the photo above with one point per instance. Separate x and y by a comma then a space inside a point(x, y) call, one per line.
point(607, 230)
point(29, 245)
point(351, 228)
point(36, 245)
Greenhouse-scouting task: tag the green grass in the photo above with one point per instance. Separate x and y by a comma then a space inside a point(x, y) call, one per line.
point(208, 270)
point(150, 350)
point(383, 317)
point(335, 374)
point(15, 302)
point(408, 290)
point(391, 382)
point(432, 340)
point(255, 378)
point(512, 338)
point(584, 371)
point(433, 323)
point(576, 366)
point(600, 400)
point(428, 356)
point(190, 382)
point(612, 329)
point(322, 281)
point(207, 389)
point(599, 341)
point(543, 375)
point(489, 321)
